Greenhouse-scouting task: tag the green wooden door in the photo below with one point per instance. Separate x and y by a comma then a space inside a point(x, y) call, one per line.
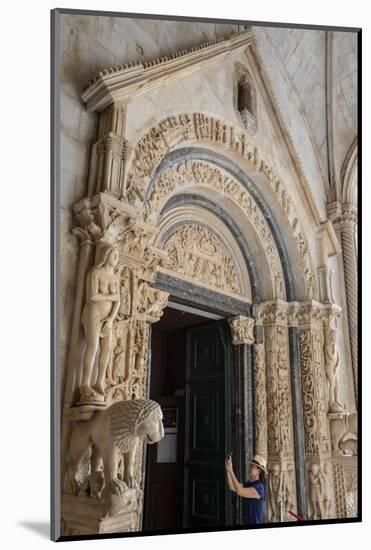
point(207, 434)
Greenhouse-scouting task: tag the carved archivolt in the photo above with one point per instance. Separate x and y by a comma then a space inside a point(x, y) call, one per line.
point(177, 129)
point(196, 173)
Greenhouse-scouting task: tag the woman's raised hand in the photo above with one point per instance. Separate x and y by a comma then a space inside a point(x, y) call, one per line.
point(228, 464)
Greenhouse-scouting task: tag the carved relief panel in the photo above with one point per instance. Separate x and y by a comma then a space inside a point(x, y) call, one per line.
point(195, 253)
point(277, 412)
point(107, 367)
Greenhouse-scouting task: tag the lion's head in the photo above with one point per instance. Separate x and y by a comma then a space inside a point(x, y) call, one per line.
point(150, 429)
point(136, 418)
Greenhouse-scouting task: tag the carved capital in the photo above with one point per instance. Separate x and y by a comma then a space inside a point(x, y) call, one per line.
point(309, 313)
point(274, 312)
point(152, 303)
point(344, 216)
point(330, 315)
point(242, 329)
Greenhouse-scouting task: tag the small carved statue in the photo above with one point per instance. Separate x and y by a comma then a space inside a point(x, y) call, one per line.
point(101, 307)
point(332, 363)
point(275, 494)
point(113, 431)
point(287, 489)
point(316, 492)
point(326, 489)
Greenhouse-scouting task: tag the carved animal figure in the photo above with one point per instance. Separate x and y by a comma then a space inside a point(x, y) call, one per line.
point(344, 434)
point(112, 431)
point(93, 485)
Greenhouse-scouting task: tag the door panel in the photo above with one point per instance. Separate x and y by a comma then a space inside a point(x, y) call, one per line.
point(207, 425)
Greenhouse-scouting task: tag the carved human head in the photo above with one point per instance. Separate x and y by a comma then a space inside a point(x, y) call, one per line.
point(276, 469)
point(315, 469)
point(150, 429)
point(106, 253)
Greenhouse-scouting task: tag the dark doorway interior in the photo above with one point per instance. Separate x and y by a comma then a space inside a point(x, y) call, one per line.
point(164, 487)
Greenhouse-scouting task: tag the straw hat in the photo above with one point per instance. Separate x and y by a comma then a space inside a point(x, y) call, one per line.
point(260, 462)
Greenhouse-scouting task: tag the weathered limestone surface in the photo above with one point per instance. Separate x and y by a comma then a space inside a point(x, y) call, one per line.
point(166, 170)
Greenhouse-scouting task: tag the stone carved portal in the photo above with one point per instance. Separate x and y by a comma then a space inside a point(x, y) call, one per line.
point(122, 246)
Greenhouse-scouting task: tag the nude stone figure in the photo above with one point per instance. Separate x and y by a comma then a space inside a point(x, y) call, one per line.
point(275, 494)
point(101, 307)
point(332, 363)
point(316, 492)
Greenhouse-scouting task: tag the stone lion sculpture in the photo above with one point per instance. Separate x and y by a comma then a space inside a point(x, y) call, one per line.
point(111, 432)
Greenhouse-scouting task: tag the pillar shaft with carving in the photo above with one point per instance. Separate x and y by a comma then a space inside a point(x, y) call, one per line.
point(344, 218)
point(272, 316)
point(317, 440)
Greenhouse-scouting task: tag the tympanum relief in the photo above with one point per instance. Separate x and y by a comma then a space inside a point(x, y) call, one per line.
point(196, 254)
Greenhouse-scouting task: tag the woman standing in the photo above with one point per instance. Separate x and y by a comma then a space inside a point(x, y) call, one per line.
point(252, 491)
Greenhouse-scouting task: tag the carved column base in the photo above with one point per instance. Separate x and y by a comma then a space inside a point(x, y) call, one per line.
point(83, 515)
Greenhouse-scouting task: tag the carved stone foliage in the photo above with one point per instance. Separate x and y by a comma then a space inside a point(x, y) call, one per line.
point(260, 402)
point(345, 480)
point(278, 392)
point(197, 254)
point(242, 329)
point(313, 378)
point(339, 490)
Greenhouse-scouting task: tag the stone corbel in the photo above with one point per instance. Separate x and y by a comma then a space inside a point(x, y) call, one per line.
point(242, 330)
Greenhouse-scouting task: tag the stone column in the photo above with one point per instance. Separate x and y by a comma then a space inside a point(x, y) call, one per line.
point(317, 441)
point(260, 399)
point(242, 409)
point(344, 218)
point(272, 316)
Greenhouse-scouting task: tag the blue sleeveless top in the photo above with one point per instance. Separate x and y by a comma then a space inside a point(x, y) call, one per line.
point(253, 508)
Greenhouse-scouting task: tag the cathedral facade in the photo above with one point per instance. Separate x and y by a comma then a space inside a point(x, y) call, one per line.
point(208, 271)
